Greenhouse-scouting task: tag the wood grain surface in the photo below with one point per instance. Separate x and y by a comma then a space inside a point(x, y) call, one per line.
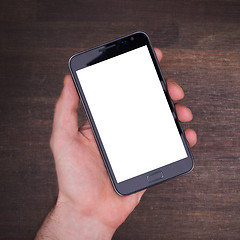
point(200, 41)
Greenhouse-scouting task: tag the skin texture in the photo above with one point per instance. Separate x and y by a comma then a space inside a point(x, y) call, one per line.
point(87, 206)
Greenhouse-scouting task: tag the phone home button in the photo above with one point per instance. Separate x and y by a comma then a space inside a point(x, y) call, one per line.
point(155, 176)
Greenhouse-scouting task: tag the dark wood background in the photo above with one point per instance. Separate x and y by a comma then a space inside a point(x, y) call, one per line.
point(200, 41)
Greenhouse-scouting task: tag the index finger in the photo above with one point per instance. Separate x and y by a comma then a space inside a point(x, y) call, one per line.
point(158, 54)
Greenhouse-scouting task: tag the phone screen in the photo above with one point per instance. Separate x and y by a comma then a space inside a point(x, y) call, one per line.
point(131, 113)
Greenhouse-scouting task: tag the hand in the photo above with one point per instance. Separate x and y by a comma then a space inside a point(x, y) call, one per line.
point(87, 206)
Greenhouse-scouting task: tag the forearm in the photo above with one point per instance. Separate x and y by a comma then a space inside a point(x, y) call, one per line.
point(63, 222)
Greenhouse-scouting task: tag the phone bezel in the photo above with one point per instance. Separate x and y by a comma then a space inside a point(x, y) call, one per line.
point(104, 52)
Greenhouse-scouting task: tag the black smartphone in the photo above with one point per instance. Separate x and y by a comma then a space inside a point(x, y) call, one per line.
point(131, 113)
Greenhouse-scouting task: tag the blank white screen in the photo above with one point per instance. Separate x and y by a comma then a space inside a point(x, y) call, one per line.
point(131, 114)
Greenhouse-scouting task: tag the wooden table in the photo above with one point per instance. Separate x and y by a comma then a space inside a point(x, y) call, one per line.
point(200, 41)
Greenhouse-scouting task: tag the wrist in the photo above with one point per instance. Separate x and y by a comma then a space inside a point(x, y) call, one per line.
point(66, 222)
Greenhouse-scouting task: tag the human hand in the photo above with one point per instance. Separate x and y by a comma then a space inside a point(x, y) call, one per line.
point(87, 206)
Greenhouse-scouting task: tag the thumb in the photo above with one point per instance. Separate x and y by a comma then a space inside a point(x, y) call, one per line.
point(65, 122)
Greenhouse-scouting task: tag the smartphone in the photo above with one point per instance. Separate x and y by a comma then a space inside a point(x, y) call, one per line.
point(131, 113)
